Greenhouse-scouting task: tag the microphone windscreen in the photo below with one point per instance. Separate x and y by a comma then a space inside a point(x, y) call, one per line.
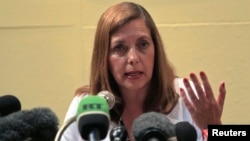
point(152, 125)
point(9, 104)
point(38, 124)
point(93, 113)
point(185, 131)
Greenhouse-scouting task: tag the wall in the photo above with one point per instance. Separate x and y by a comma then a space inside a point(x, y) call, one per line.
point(46, 47)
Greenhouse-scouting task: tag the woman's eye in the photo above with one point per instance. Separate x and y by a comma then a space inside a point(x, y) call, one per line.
point(119, 49)
point(143, 44)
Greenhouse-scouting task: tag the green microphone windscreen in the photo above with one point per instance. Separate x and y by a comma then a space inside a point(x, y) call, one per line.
point(93, 113)
point(92, 104)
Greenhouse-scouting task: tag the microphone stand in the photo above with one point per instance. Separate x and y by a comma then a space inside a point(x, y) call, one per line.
point(94, 135)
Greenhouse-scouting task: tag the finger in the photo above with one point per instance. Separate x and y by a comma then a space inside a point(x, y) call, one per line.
point(188, 104)
point(222, 94)
point(192, 96)
point(207, 87)
point(199, 89)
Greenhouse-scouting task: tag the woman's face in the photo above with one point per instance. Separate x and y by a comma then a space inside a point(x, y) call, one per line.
point(131, 57)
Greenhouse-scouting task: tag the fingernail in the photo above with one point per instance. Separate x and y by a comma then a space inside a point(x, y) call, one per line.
point(185, 80)
point(223, 84)
point(192, 75)
point(181, 91)
point(202, 73)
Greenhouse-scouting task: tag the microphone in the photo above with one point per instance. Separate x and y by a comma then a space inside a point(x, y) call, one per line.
point(93, 118)
point(104, 95)
point(153, 126)
point(118, 133)
point(9, 104)
point(38, 124)
point(109, 98)
point(185, 131)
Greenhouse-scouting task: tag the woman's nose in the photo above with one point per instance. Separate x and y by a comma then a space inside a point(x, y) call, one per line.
point(133, 57)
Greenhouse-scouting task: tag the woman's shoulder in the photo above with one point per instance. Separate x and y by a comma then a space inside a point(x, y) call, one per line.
point(73, 106)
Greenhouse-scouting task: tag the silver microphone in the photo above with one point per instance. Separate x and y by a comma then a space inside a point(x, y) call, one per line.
point(109, 98)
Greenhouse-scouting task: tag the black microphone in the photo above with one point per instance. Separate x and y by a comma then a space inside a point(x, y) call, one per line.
point(9, 104)
point(153, 126)
point(118, 133)
point(38, 124)
point(185, 131)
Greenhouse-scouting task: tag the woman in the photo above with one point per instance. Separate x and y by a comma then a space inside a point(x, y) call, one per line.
point(129, 61)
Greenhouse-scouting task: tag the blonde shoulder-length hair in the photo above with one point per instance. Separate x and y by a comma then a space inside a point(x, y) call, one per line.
point(161, 95)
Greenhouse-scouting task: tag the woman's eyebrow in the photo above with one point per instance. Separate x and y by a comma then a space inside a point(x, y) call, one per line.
point(117, 41)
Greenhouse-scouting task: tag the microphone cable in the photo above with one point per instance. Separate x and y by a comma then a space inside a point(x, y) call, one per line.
point(64, 127)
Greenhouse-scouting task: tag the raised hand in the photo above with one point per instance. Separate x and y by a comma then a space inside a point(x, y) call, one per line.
point(200, 100)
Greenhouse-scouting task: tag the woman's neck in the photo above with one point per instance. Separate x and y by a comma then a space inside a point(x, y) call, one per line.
point(133, 107)
point(128, 117)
